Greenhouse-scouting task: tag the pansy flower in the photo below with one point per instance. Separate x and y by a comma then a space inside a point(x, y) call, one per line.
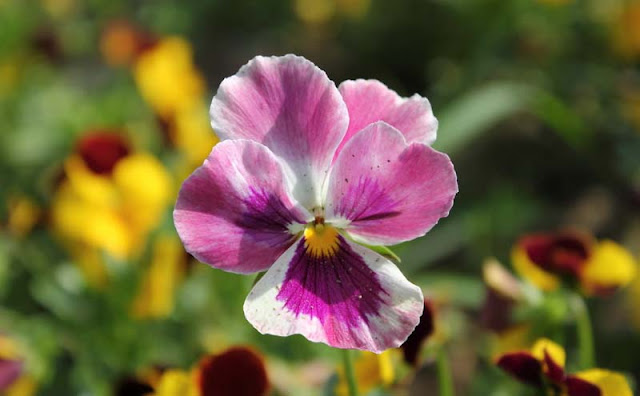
point(544, 367)
point(598, 267)
point(110, 199)
point(236, 371)
point(305, 174)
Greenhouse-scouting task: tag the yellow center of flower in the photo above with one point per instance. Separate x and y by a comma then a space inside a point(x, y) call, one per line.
point(321, 239)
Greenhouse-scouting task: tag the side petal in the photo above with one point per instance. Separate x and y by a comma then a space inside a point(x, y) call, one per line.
point(235, 212)
point(610, 267)
point(352, 298)
point(386, 191)
point(369, 101)
point(608, 382)
point(290, 105)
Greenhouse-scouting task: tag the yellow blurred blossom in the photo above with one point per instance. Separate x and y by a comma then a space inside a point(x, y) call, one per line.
point(371, 371)
point(109, 210)
point(167, 78)
point(193, 135)
point(155, 298)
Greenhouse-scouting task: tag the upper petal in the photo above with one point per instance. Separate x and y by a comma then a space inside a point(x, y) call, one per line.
point(369, 101)
point(388, 190)
point(291, 106)
point(350, 298)
point(235, 211)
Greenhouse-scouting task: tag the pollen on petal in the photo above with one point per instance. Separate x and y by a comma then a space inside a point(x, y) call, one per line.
point(321, 240)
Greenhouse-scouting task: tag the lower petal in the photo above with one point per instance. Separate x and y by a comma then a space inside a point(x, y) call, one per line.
point(347, 298)
point(610, 267)
point(608, 382)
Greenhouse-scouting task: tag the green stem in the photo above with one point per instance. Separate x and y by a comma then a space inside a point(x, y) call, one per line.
point(585, 333)
point(445, 378)
point(349, 373)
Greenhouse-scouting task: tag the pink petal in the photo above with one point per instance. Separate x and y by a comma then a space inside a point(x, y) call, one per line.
point(289, 105)
point(235, 212)
point(369, 101)
point(353, 298)
point(385, 191)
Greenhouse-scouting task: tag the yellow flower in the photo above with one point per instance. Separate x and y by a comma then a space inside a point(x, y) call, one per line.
point(598, 267)
point(156, 295)
point(108, 203)
point(371, 370)
point(167, 78)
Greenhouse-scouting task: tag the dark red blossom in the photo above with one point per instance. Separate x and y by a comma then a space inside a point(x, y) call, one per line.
point(413, 344)
point(238, 371)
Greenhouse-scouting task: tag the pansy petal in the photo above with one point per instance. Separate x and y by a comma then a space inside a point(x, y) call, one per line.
point(238, 371)
point(523, 366)
point(10, 370)
point(235, 212)
point(290, 105)
point(369, 101)
point(385, 191)
point(349, 298)
point(610, 266)
point(609, 383)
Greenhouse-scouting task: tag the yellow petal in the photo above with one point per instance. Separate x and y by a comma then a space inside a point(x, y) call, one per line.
point(156, 296)
point(193, 135)
point(167, 78)
point(555, 351)
point(531, 272)
point(371, 370)
point(609, 382)
point(176, 383)
point(610, 266)
point(144, 186)
point(512, 339)
point(23, 386)
point(89, 222)
point(90, 187)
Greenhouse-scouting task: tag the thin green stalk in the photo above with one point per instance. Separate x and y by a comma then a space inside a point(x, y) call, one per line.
point(445, 377)
point(585, 333)
point(349, 373)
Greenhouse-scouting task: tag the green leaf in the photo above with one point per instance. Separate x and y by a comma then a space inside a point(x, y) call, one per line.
point(475, 112)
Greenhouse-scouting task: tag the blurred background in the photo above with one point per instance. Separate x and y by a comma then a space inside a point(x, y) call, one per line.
point(103, 113)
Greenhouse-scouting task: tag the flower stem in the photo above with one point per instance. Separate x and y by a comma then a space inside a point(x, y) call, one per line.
point(585, 333)
point(445, 378)
point(349, 373)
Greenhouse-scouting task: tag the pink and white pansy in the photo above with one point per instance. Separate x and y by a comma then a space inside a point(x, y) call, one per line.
point(304, 173)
